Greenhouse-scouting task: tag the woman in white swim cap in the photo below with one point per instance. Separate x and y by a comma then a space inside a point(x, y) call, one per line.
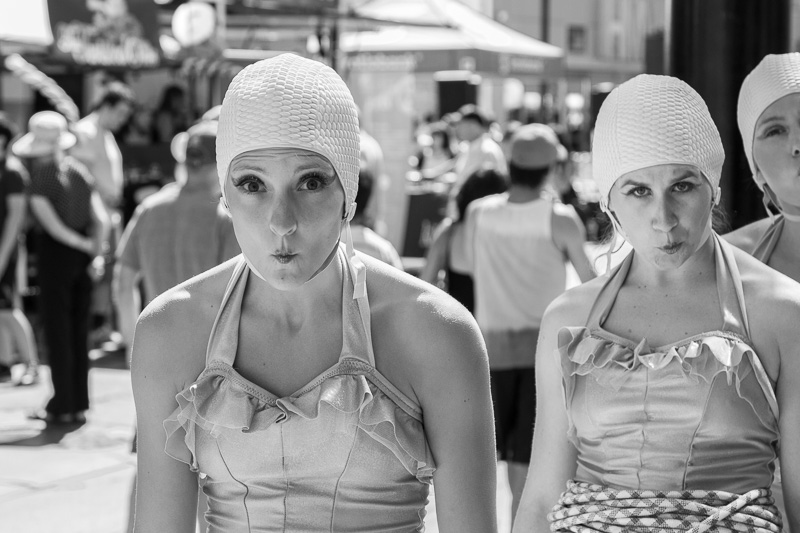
point(326, 391)
point(769, 121)
point(656, 384)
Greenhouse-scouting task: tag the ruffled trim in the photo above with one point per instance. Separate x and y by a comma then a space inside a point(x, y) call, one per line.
point(702, 357)
point(221, 401)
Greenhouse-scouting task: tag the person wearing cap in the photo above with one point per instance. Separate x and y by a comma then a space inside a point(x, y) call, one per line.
point(305, 386)
point(519, 245)
point(471, 127)
point(75, 233)
point(768, 111)
point(667, 389)
point(175, 234)
point(15, 329)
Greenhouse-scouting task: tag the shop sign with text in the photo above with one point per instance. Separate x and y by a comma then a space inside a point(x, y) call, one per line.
point(106, 33)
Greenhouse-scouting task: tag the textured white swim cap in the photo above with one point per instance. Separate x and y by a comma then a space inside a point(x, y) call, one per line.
point(654, 120)
point(291, 102)
point(772, 79)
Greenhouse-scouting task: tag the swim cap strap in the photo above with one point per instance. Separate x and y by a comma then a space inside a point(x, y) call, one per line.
point(357, 267)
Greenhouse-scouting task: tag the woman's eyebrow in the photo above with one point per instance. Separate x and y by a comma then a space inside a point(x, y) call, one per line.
point(680, 174)
point(628, 181)
point(767, 120)
point(245, 167)
point(316, 165)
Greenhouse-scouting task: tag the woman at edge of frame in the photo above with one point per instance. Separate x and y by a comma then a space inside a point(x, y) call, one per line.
point(768, 114)
point(668, 388)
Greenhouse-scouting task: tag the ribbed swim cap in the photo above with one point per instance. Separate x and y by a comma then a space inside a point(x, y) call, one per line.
point(654, 120)
point(291, 102)
point(776, 76)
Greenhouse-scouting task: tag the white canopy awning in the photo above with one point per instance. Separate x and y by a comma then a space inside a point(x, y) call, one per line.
point(25, 22)
point(463, 29)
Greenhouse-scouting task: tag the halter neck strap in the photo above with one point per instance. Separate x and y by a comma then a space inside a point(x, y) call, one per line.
point(729, 290)
point(356, 334)
point(767, 243)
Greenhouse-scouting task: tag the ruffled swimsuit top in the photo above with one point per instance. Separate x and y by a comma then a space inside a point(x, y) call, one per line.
point(697, 414)
point(346, 452)
point(767, 243)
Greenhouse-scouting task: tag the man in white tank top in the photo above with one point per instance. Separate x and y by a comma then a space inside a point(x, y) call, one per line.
point(520, 243)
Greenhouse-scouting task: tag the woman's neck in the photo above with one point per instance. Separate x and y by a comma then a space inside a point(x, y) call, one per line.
point(322, 294)
point(790, 237)
point(699, 269)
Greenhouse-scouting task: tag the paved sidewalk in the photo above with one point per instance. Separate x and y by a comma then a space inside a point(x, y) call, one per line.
point(77, 479)
point(68, 479)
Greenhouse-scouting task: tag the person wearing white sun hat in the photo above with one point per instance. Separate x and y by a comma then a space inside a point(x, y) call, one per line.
point(326, 391)
point(74, 233)
point(668, 388)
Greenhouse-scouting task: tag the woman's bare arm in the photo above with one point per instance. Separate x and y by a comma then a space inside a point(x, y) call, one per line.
point(789, 404)
point(166, 489)
point(444, 358)
point(436, 257)
point(553, 459)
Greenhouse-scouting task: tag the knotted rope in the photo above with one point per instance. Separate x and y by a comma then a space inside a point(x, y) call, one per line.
point(586, 507)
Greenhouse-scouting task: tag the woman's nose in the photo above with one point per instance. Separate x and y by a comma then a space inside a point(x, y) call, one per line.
point(283, 221)
point(664, 218)
point(795, 139)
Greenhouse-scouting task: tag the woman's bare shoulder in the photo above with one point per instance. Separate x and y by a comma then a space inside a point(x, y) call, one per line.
point(748, 236)
point(418, 325)
point(770, 296)
point(173, 330)
point(402, 299)
point(572, 307)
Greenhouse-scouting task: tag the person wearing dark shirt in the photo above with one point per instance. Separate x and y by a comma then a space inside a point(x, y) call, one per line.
point(75, 232)
point(15, 329)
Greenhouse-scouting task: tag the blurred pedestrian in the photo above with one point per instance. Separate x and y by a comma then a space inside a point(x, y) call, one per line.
point(373, 161)
point(14, 325)
point(436, 157)
point(364, 239)
point(447, 253)
point(172, 115)
point(97, 149)
point(481, 151)
point(74, 237)
point(175, 234)
point(520, 243)
point(315, 383)
point(96, 146)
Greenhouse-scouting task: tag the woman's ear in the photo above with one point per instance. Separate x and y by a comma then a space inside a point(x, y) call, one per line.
point(758, 177)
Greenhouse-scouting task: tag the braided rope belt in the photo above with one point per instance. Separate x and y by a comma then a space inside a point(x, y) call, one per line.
point(586, 507)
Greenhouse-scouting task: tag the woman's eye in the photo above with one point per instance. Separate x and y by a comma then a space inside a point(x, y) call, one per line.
point(638, 192)
point(684, 186)
point(313, 183)
point(250, 185)
point(771, 132)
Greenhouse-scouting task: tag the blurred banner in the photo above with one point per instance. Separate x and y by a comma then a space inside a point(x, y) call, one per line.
point(106, 33)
